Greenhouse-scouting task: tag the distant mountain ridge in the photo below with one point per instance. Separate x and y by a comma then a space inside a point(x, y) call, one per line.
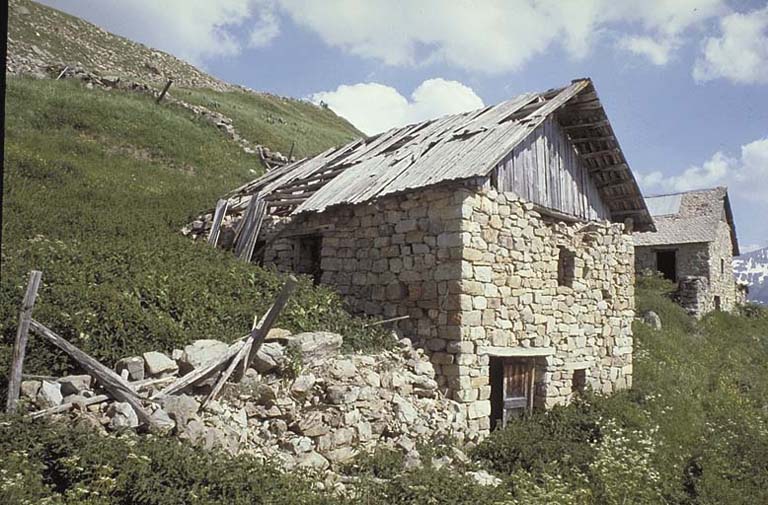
point(752, 268)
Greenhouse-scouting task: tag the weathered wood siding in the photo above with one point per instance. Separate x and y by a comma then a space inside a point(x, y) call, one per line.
point(545, 169)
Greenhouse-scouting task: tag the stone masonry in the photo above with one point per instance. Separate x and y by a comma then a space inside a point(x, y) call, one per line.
point(479, 274)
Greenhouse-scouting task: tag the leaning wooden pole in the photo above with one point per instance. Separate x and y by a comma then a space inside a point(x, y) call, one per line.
point(109, 380)
point(218, 217)
point(20, 345)
point(165, 90)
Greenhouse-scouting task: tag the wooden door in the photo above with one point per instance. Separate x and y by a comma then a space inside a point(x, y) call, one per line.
point(518, 388)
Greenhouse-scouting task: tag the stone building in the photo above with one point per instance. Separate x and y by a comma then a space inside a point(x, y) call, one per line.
point(500, 233)
point(693, 246)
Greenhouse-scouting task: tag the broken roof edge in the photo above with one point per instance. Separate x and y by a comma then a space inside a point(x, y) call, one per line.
point(304, 180)
point(689, 191)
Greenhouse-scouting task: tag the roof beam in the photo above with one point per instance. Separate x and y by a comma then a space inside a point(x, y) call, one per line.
point(593, 124)
point(602, 152)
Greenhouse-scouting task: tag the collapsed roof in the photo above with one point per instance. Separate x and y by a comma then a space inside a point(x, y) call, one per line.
point(688, 217)
point(451, 148)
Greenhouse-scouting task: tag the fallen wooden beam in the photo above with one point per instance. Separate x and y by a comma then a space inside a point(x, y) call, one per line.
point(109, 380)
point(240, 356)
point(20, 344)
point(218, 217)
point(258, 334)
point(200, 373)
point(64, 407)
point(247, 353)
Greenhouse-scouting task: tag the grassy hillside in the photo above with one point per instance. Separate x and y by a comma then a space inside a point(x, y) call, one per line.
point(96, 186)
point(40, 33)
point(39, 36)
point(276, 122)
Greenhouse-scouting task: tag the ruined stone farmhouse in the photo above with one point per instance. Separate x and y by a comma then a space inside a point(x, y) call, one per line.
point(499, 232)
point(693, 246)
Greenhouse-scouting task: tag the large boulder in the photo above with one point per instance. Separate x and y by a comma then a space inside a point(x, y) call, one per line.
point(201, 352)
point(49, 395)
point(180, 408)
point(75, 384)
point(316, 346)
point(270, 356)
point(122, 415)
point(156, 363)
point(134, 367)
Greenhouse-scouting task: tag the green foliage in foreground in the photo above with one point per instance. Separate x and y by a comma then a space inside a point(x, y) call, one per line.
point(46, 462)
point(96, 186)
point(693, 430)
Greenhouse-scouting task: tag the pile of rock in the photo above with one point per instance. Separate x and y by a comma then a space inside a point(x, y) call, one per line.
point(303, 403)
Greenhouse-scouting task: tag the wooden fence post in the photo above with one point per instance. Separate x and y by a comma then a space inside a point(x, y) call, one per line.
point(165, 90)
point(114, 384)
point(218, 217)
point(20, 345)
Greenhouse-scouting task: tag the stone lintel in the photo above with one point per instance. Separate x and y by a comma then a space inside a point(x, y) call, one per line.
point(516, 352)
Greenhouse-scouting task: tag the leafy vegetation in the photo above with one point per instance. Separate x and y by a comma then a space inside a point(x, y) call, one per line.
point(96, 186)
point(693, 430)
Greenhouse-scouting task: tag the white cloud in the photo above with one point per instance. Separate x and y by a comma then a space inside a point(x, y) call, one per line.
point(658, 51)
point(266, 27)
point(740, 54)
point(746, 174)
point(194, 30)
point(498, 35)
point(374, 107)
point(493, 36)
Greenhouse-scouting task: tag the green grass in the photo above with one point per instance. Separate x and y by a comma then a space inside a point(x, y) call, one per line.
point(276, 122)
point(96, 186)
point(693, 430)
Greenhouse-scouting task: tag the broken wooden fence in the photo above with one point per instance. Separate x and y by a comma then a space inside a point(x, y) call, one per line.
point(241, 353)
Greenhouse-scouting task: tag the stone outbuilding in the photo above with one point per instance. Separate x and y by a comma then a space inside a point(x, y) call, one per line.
point(693, 246)
point(499, 232)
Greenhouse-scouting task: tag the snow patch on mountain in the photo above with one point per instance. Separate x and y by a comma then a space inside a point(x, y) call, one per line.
point(752, 269)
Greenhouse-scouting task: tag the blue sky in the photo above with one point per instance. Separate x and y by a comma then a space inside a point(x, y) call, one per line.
point(684, 82)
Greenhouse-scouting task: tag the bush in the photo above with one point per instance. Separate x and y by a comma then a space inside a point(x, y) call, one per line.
point(48, 462)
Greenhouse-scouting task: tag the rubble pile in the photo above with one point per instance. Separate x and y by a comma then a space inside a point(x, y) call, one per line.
point(302, 403)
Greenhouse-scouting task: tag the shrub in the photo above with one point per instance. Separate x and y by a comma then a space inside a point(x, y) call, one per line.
point(62, 464)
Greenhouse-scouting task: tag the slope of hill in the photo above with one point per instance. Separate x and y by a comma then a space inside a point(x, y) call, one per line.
point(96, 186)
point(752, 269)
point(42, 41)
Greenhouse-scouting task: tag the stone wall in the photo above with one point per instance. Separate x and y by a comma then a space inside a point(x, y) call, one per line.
point(692, 259)
point(721, 280)
point(514, 303)
point(477, 272)
point(704, 271)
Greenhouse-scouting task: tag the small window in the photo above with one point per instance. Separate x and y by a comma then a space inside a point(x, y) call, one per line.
point(579, 381)
point(566, 267)
point(722, 266)
point(666, 263)
point(717, 304)
point(307, 256)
